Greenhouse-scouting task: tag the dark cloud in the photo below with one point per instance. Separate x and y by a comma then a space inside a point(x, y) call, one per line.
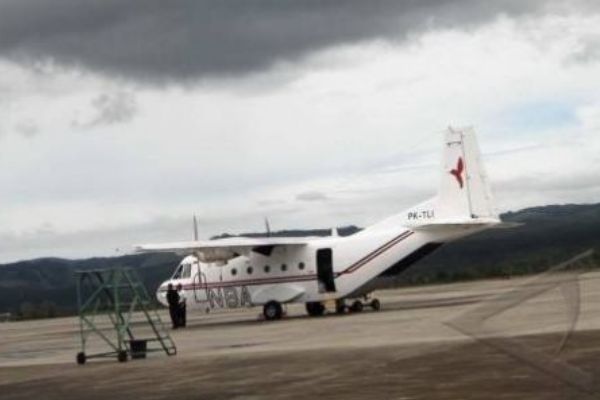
point(181, 40)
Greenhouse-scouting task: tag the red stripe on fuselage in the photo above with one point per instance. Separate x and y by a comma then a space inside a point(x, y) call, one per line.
point(371, 256)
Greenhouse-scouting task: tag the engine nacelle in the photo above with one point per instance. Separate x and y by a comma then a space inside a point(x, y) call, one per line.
point(216, 255)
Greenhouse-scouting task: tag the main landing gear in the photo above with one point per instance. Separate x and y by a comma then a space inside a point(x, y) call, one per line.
point(357, 305)
point(316, 308)
point(273, 310)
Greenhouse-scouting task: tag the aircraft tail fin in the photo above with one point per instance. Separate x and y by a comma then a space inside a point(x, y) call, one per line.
point(464, 191)
point(464, 196)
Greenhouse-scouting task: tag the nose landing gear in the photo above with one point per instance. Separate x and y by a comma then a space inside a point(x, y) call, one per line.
point(272, 311)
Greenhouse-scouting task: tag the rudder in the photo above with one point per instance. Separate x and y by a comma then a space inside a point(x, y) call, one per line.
point(464, 190)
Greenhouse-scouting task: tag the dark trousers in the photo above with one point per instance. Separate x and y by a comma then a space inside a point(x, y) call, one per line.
point(174, 313)
point(182, 315)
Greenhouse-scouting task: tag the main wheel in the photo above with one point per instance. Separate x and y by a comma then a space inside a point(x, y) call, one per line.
point(340, 306)
point(272, 310)
point(81, 358)
point(375, 305)
point(357, 306)
point(315, 308)
point(122, 356)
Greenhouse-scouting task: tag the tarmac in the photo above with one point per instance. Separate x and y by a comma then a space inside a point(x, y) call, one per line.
point(508, 339)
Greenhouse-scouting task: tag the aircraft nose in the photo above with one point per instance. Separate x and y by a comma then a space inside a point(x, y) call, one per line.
point(161, 293)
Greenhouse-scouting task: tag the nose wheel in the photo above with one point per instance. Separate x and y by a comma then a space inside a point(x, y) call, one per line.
point(272, 311)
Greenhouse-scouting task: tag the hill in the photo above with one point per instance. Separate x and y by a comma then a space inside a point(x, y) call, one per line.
point(549, 234)
point(46, 287)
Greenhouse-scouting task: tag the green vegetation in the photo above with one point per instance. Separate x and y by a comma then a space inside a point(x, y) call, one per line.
point(45, 309)
point(46, 287)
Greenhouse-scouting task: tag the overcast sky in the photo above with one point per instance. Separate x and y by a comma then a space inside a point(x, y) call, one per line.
point(119, 120)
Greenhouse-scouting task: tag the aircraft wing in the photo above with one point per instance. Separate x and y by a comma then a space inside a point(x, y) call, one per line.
point(222, 249)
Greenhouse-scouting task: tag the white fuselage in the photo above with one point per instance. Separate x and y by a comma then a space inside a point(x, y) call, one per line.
point(356, 260)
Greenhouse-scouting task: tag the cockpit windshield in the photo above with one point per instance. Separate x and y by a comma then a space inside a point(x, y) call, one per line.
point(183, 271)
point(177, 274)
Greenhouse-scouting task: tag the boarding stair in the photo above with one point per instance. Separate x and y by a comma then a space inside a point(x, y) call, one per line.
point(114, 306)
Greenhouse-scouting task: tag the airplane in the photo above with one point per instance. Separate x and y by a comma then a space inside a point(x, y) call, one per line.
point(274, 271)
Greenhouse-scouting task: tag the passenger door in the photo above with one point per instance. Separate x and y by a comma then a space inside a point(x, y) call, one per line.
point(325, 275)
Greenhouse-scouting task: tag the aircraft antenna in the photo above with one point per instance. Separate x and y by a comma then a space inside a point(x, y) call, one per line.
point(195, 228)
point(267, 227)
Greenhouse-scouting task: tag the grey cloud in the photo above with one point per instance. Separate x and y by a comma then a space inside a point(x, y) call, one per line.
point(111, 108)
point(270, 202)
point(544, 183)
point(27, 128)
point(589, 50)
point(183, 40)
point(47, 242)
point(312, 196)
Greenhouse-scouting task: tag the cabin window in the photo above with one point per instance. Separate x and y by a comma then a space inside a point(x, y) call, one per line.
point(187, 271)
point(301, 266)
point(284, 267)
point(249, 270)
point(233, 271)
point(267, 269)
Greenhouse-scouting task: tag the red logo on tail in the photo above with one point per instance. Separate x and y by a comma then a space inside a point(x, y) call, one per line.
point(458, 171)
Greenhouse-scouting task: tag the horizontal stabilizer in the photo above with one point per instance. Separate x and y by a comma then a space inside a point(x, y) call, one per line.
point(466, 223)
point(508, 225)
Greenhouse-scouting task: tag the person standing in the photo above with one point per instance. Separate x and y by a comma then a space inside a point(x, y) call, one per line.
point(182, 306)
point(173, 301)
